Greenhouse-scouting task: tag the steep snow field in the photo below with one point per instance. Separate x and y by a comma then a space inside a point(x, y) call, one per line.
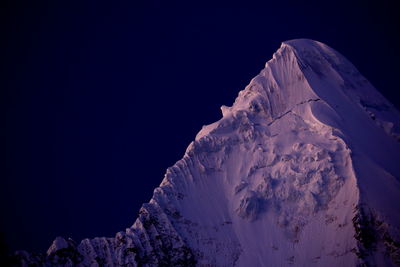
point(302, 170)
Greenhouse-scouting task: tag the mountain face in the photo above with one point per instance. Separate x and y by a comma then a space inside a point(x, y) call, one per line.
point(302, 170)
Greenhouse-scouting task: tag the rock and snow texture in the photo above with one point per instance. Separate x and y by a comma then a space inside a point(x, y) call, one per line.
point(302, 170)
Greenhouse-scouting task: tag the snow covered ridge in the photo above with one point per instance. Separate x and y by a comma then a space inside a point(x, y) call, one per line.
point(302, 170)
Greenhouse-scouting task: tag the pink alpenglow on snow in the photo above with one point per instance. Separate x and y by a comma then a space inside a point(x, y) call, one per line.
point(302, 170)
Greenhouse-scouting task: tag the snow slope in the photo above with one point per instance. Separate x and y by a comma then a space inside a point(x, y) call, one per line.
point(302, 170)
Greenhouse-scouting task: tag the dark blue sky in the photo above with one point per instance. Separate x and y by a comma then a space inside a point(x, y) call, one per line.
point(99, 98)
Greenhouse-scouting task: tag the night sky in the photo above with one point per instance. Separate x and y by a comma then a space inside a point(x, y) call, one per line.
point(99, 98)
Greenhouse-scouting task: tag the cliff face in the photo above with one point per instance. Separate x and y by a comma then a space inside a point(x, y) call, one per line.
point(301, 170)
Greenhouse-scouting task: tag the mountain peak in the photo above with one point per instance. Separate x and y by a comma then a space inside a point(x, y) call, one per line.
point(304, 44)
point(301, 42)
point(301, 170)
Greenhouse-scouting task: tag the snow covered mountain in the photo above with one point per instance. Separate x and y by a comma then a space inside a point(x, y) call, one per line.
point(302, 170)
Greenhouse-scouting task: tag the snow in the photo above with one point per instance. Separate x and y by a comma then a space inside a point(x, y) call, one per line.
point(302, 170)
